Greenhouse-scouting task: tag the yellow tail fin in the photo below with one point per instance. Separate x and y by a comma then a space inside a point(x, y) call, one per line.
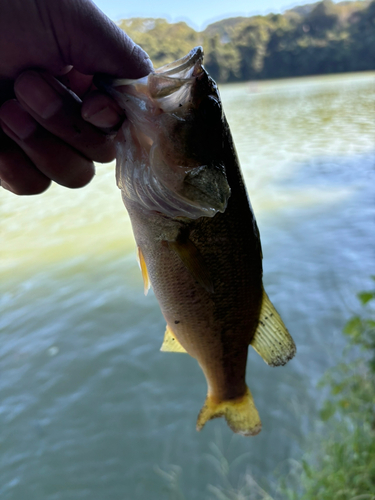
point(240, 414)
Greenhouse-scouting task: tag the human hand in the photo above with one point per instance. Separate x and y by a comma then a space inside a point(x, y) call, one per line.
point(53, 124)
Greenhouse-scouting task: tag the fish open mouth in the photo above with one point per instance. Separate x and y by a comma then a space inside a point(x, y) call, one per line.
point(169, 157)
point(178, 73)
point(192, 63)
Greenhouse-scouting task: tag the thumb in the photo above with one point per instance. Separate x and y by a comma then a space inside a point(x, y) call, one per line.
point(92, 43)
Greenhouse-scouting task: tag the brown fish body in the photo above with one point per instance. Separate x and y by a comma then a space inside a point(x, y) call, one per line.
point(215, 327)
point(196, 233)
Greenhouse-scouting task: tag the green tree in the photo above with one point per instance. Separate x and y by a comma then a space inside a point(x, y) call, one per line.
point(164, 42)
point(319, 38)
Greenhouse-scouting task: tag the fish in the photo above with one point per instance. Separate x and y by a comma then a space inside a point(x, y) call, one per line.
point(197, 238)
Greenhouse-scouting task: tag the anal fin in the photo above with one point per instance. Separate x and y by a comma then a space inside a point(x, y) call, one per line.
point(170, 343)
point(272, 340)
point(142, 265)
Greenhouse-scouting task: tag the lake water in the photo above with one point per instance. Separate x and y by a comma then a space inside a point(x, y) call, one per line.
point(89, 407)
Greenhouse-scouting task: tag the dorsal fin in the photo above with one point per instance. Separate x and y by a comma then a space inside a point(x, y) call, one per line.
point(272, 340)
point(142, 265)
point(170, 343)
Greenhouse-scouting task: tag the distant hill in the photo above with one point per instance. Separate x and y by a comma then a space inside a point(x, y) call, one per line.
point(317, 38)
point(164, 42)
point(303, 10)
point(224, 25)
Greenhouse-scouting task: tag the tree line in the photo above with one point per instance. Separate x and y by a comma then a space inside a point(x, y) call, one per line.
point(311, 39)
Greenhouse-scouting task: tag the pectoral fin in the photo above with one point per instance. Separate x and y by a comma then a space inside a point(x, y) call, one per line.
point(142, 265)
point(193, 261)
point(170, 343)
point(272, 340)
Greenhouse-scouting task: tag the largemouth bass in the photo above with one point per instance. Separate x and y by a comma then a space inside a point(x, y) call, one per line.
point(198, 241)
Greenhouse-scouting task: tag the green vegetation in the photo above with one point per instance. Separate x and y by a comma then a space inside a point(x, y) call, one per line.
point(312, 39)
point(163, 42)
point(343, 465)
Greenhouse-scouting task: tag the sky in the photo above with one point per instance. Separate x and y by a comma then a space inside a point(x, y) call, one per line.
point(197, 13)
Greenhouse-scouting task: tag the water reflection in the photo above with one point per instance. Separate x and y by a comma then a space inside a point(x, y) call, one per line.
point(88, 404)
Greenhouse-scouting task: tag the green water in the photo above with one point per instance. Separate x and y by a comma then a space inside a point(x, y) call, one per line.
point(89, 407)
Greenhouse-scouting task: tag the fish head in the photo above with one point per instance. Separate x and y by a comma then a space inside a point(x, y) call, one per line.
point(170, 157)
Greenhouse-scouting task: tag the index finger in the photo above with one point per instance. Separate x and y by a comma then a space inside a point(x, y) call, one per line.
point(92, 43)
point(58, 110)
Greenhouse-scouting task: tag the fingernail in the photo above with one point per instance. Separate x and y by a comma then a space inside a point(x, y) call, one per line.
point(144, 62)
point(105, 117)
point(33, 89)
point(15, 118)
